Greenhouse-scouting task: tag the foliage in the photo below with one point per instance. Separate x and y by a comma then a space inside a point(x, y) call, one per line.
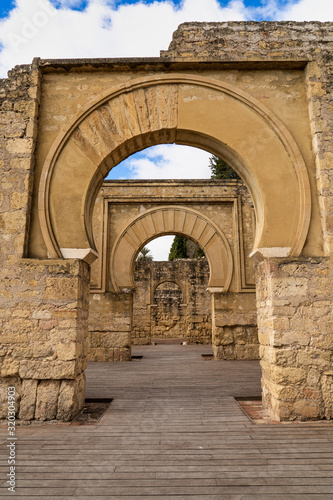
point(178, 248)
point(144, 254)
point(199, 253)
point(220, 169)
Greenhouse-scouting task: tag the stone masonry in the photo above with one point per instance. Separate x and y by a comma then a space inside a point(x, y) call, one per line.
point(44, 339)
point(295, 319)
point(171, 301)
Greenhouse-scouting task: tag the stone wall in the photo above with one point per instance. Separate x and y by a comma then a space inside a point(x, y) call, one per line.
point(171, 300)
point(110, 323)
point(235, 332)
point(183, 311)
point(295, 318)
point(167, 313)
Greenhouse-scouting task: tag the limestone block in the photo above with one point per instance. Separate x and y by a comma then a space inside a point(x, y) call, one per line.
point(246, 351)
point(59, 288)
point(240, 335)
point(19, 146)
point(115, 339)
point(288, 375)
point(281, 392)
point(52, 369)
point(71, 398)
point(223, 336)
point(35, 350)
point(10, 367)
point(96, 354)
point(47, 399)
point(68, 352)
point(18, 200)
point(28, 399)
point(307, 410)
point(314, 357)
point(12, 222)
point(290, 338)
point(280, 357)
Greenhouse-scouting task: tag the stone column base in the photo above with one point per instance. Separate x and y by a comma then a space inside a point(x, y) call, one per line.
point(45, 399)
point(44, 338)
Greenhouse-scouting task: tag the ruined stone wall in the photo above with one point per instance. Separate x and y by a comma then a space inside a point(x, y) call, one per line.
point(183, 311)
point(167, 314)
point(19, 101)
point(171, 301)
point(295, 318)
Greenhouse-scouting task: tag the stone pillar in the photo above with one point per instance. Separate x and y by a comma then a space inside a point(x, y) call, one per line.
point(44, 303)
point(234, 326)
point(44, 337)
point(319, 80)
point(110, 324)
point(295, 321)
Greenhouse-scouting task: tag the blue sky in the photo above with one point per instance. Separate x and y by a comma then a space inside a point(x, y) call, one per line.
point(132, 28)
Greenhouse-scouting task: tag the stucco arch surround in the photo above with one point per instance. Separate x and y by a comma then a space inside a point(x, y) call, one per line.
point(171, 220)
point(182, 109)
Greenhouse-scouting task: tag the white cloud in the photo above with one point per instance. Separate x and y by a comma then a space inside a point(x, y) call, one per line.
point(35, 28)
point(308, 10)
point(169, 161)
point(160, 247)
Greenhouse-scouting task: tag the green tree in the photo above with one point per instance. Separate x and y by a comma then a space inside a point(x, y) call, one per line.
point(178, 248)
point(144, 254)
point(199, 253)
point(220, 169)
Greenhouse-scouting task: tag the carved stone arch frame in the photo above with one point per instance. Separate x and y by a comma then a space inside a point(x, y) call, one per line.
point(164, 220)
point(95, 142)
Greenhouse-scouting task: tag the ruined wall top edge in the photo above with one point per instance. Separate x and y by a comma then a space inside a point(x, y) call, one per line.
point(247, 40)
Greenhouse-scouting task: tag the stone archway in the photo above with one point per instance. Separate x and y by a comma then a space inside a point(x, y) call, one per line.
point(172, 220)
point(162, 109)
point(217, 215)
point(182, 109)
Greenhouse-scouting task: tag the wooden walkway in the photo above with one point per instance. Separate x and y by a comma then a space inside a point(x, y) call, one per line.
point(173, 431)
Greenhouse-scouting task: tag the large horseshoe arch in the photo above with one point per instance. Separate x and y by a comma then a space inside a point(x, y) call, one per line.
point(180, 109)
